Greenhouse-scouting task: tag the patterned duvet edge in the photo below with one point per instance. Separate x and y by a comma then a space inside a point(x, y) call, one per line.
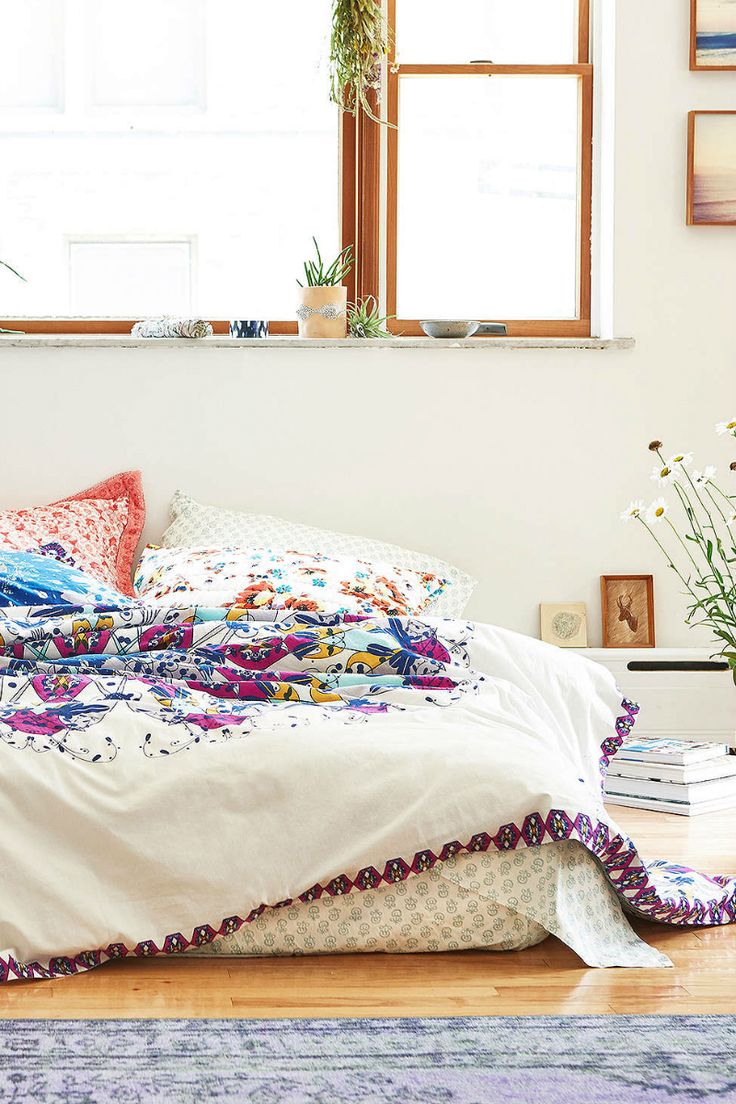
point(617, 855)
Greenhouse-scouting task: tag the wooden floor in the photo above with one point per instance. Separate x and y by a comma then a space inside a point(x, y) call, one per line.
point(548, 978)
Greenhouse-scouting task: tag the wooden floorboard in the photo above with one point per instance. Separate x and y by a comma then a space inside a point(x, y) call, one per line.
point(548, 978)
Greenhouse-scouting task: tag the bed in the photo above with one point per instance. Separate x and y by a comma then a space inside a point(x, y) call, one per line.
point(239, 779)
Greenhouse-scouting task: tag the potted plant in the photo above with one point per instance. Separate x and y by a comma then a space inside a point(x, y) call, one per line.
point(323, 300)
point(699, 543)
point(4, 264)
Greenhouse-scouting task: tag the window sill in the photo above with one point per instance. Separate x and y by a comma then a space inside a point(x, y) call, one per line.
point(117, 341)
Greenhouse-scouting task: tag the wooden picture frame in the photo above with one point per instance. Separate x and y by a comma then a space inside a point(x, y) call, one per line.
point(709, 205)
point(627, 611)
point(720, 45)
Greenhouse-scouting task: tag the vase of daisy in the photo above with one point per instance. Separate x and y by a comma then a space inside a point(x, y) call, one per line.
point(697, 539)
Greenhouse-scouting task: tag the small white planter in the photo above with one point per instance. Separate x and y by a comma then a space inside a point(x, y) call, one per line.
point(322, 311)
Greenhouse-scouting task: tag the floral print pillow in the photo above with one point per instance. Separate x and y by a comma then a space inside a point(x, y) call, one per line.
point(263, 579)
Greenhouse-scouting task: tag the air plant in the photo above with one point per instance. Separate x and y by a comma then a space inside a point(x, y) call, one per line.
point(332, 276)
point(365, 318)
point(4, 264)
point(701, 547)
point(358, 44)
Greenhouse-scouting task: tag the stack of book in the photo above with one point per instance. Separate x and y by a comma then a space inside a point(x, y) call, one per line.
point(672, 776)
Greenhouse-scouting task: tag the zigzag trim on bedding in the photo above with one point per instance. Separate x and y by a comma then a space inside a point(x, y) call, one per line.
point(616, 854)
point(623, 726)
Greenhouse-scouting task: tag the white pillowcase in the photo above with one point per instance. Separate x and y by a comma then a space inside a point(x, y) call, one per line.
point(195, 526)
point(264, 579)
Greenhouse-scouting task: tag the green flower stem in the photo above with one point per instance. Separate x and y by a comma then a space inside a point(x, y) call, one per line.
point(711, 496)
point(729, 499)
point(685, 582)
point(708, 514)
point(698, 535)
point(684, 545)
point(715, 502)
point(689, 510)
point(687, 506)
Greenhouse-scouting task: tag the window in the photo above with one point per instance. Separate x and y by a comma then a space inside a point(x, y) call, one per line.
point(176, 157)
point(164, 156)
point(489, 169)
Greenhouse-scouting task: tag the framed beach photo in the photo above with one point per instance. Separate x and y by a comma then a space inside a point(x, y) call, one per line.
point(564, 624)
point(711, 168)
point(712, 34)
point(627, 611)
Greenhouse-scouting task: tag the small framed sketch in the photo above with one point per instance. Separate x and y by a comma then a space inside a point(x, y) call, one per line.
point(564, 624)
point(711, 168)
point(712, 34)
point(627, 609)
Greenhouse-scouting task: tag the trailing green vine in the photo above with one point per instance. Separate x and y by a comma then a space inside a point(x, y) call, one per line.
point(358, 45)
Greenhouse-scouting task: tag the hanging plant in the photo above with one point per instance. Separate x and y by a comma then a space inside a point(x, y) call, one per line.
point(358, 46)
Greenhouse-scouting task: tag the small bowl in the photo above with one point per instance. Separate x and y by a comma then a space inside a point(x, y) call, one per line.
point(444, 327)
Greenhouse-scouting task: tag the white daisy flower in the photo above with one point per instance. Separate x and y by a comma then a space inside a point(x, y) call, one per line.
point(726, 427)
point(680, 460)
point(635, 507)
point(663, 475)
point(708, 473)
point(657, 511)
point(731, 521)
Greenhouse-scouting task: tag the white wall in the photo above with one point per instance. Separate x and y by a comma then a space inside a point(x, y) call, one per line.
point(513, 464)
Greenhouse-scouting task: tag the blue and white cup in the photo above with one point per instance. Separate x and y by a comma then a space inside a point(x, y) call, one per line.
point(239, 328)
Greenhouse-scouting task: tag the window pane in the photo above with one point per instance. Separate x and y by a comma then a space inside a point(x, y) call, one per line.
point(235, 152)
point(487, 197)
point(503, 31)
point(129, 274)
point(145, 53)
point(31, 55)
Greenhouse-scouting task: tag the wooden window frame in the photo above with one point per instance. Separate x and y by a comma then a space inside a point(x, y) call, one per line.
point(359, 190)
point(583, 70)
point(362, 219)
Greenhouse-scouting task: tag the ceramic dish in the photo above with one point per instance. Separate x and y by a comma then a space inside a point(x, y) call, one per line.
point(443, 327)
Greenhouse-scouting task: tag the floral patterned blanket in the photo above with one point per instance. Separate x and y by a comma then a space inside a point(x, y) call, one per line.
point(167, 774)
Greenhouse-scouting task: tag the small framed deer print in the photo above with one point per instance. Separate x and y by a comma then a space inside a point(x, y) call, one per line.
point(627, 609)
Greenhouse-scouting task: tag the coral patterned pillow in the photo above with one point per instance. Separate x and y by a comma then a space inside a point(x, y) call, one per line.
point(262, 579)
point(95, 531)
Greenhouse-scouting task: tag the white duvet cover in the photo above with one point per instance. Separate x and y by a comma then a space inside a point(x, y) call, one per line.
point(168, 774)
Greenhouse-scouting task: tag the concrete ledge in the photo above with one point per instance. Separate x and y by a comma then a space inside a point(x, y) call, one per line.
point(487, 344)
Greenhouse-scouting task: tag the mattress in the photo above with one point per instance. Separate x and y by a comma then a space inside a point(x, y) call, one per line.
point(486, 901)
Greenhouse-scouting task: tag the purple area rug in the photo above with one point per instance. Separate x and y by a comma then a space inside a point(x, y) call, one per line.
point(468, 1060)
